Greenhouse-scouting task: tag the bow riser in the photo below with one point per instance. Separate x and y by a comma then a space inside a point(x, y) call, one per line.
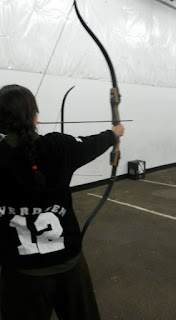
point(115, 100)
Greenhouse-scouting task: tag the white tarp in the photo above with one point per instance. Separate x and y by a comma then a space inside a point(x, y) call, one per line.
point(139, 36)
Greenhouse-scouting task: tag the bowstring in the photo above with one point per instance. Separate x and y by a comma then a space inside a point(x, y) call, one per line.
point(53, 51)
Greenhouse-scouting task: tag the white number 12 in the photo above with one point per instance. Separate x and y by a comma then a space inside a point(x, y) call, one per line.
point(48, 241)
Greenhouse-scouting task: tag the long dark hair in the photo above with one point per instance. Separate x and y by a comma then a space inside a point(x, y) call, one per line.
point(18, 109)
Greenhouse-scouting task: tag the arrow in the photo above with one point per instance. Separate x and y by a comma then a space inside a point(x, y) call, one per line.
point(99, 121)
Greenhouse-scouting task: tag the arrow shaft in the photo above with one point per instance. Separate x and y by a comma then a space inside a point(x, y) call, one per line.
point(99, 121)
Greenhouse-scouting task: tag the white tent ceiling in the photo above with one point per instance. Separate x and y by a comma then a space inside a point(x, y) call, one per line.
point(138, 35)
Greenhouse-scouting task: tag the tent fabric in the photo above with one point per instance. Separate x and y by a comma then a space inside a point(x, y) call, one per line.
point(138, 35)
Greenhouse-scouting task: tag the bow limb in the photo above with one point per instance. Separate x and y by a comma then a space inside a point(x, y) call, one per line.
point(115, 100)
point(61, 112)
point(63, 108)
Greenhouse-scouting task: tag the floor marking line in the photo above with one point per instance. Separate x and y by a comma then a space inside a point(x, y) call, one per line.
point(136, 207)
point(163, 184)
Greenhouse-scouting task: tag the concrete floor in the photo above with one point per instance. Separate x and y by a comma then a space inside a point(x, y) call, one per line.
point(131, 252)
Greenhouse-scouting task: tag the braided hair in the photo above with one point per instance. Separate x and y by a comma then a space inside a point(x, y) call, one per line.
point(18, 109)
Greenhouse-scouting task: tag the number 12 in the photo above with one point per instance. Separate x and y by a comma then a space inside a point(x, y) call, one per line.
point(48, 241)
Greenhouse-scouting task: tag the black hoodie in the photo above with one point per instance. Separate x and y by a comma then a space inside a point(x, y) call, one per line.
point(38, 226)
